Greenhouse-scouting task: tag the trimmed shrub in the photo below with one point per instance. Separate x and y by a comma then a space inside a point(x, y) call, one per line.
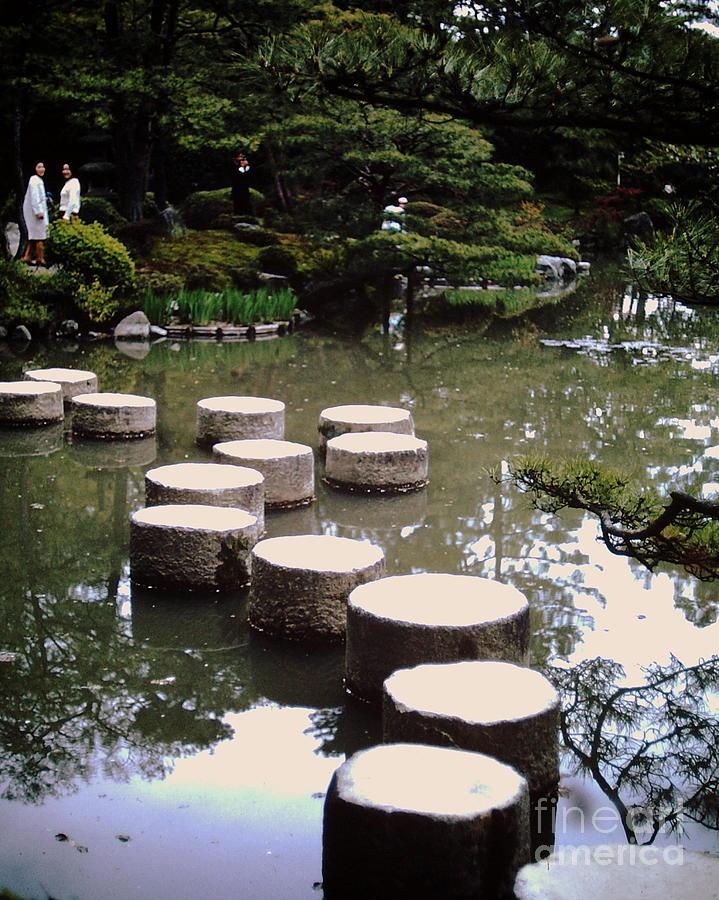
point(278, 261)
point(160, 283)
point(89, 251)
point(202, 209)
point(18, 301)
point(424, 209)
point(99, 209)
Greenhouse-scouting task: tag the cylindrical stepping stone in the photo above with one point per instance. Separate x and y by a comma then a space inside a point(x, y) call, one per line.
point(409, 821)
point(337, 420)
point(300, 584)
point(211, 484)
point(72, 381)
point(405, 620)
point(498, 708)
point(239, 418)
point(288, 468)
point(111, 416)
point(376, 461)
point(191, 546)
point(30, 402)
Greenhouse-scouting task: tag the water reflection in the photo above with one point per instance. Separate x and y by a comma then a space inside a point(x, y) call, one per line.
point(167, 689)
point(31, 441)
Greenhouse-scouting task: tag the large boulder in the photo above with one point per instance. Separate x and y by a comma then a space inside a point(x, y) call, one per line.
point(556, 267)
point(135, 327)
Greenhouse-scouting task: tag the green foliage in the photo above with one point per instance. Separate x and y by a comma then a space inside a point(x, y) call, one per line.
point(207, 260)
point(98, 209)
point(458, 262)
point(97, 301)
point(501, 303)
point(202, 209)
point(634, 522)
point(89, 251)
point(684, 263)
point(18, 303)
point(277, 260)
point(228, 305)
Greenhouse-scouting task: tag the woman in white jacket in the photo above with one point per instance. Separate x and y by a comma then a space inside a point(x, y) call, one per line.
point(34, 210)
point(70, 195)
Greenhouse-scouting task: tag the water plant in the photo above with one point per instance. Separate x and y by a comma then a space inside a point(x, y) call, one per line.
point(198, 307)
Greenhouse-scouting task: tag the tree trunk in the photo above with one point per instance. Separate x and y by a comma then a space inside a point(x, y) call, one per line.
point(133, 147)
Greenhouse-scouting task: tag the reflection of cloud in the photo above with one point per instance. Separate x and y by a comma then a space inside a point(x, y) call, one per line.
point(274, 750)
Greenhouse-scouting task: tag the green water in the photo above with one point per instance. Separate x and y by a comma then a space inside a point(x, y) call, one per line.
point(185, 757)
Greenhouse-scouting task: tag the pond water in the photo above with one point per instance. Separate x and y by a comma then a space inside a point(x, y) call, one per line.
point(150, 744)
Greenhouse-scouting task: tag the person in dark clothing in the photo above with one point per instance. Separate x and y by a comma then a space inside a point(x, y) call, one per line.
point(241, 177)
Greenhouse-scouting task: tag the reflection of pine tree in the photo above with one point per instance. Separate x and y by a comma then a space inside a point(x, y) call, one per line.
point(653, 748)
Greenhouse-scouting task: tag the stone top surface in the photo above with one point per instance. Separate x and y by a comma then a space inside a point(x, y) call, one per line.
point(357, 413)
point(376, 442)
point(59, 374)
point(428, 780)
point(261, 448)
point(241, 404)
point(475, 691)
point(31, 388)
point(318, 552)
point(438, 599)
point(195, 516)
point(110, 399)
point(620, 870)
point(204, 476)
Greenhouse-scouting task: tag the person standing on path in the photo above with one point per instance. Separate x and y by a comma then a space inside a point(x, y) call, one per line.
point(241, 177)
point(70, 195)
point(34, 209)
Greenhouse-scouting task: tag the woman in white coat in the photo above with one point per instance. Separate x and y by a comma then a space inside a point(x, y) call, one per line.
point(34, 210)
point(69, 195)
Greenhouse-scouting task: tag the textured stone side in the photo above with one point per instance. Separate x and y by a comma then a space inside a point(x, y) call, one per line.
point(249, 496)
point(529, 743)
point(23, 403)
point(304, 604)
point(361, 462)
point(373, 847)
point(244, 418)
point(289, 476)
point(72, 381)
point(112, 416)
point(378, 646)
point(337, 420)
point(175, 556)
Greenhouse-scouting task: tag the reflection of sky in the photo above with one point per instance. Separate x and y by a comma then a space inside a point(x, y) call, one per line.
point(240, 821)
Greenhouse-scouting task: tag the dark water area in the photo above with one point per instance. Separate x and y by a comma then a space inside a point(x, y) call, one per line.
point(181, 755)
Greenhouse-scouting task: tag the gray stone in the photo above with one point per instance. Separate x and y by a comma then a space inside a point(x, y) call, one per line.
point(300, 584)
point(113, 416)
point(210, 484)
point(68, 328)
point(236, 418)
point(556, 267)
point(336, 420)
point(498, 708)
point(188, 546)
point(288, 468)
point(134, 327)
point(30, 403)
point(3, 332)
point(158, 331)
point(377, 461)
point(72, 381)
point(620, 871)
point(21, 333)
point(276, 281)
point(412, 821)
point(404, 620)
